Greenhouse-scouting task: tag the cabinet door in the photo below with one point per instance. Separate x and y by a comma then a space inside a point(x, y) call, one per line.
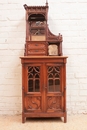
point(33, 88)
point(54, 87)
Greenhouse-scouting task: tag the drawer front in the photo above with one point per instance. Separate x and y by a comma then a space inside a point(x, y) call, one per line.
point(36, 46)
point(37, 52)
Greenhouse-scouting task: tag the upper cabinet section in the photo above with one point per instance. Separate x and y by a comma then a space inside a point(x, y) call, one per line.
point(37, 31)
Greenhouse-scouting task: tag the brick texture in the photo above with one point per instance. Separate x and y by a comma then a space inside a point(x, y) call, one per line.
point(68, 17)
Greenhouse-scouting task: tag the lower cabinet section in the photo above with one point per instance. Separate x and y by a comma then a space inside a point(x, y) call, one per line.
point(43, 87)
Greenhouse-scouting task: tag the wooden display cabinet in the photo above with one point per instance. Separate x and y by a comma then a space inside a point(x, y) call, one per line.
point(43, 68)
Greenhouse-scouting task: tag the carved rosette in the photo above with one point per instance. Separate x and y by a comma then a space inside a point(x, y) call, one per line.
point(34, 103)
point(53, 103)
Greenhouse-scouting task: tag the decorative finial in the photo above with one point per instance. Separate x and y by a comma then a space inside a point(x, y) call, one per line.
point(46, 2)
point(25, 6)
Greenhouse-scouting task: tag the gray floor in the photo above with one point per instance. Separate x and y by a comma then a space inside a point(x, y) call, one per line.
point(74, 122)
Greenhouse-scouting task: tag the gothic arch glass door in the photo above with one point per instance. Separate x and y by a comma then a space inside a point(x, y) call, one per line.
point(54, 92)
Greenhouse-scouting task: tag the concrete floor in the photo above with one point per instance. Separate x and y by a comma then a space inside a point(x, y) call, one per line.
point(74, 122)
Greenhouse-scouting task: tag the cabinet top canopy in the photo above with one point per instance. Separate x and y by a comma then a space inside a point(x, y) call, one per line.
point(34, 7)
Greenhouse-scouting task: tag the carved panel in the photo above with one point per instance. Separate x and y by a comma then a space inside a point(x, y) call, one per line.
point(34, 103)
point(54, 103)
point(51, 36)
point(53, 49)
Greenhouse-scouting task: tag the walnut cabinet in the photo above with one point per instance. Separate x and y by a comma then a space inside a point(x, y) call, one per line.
point(43, 68)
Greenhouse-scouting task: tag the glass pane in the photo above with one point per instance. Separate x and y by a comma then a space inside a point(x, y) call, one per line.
point(30, 85)
point(50, 83)
point(57, 85)
point(37, 86)
point(56, 75)
point(36, 76)
point(30, 76)
point(50, 75)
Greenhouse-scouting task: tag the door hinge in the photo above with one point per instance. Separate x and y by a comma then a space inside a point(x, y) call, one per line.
point(22, 88)
point(64, 88)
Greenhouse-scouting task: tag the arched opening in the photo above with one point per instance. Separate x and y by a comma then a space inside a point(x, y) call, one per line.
point(36, 17)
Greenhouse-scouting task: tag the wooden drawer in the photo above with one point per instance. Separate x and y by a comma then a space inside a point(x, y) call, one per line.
point(36, 46)
point(37, 52)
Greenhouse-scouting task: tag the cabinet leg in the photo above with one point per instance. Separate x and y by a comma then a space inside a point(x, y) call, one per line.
point(65, 119)
point(23, 119)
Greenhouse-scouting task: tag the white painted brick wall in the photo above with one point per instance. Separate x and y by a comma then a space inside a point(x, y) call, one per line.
point(68, 17)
